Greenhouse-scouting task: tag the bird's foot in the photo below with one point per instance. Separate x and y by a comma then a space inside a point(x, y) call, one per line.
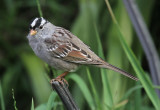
point(61, 80)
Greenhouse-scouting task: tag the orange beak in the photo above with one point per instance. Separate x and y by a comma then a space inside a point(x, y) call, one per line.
point(33, 32)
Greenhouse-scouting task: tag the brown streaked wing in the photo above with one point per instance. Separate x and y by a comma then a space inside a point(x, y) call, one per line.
point(67, 51)
point(61, 47)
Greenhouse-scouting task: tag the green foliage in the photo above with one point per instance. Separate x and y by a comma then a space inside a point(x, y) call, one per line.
point(83, 87)
point(32, 106)
point(15, 106)
point(51, 103)
point(92, 88)
point(97, 100)
point(148, 86)
point(1, 98)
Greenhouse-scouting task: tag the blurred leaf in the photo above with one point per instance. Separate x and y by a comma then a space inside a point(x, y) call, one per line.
point(144, 80)
point(131, 90)
point(51, 101)
point(41, 107)
point(115, 54)
point(36, 72)
point(147, 108)
point(86, 92)
point(122, 103)
point(8, 81)
point(32, 106)
point(1, 98)
point(94, 90)
point(157, 87)
point(107, 95)
point(141, 75)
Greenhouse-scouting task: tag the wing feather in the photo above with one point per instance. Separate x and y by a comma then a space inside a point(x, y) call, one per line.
point(61, 46)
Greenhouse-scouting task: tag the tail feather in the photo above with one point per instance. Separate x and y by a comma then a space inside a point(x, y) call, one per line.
point(116, 69)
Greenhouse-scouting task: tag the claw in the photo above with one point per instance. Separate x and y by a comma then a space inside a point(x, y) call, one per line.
point(62, 81)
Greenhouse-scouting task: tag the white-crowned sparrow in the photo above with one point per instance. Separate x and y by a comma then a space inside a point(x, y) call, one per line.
point(61, 49)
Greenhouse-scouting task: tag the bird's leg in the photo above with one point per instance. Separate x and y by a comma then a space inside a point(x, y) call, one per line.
point(60, 78)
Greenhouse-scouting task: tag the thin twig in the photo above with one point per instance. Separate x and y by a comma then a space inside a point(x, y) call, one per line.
point(146, 41)
point(111, 12)
point(15, 107)
point(65, 95)
point(39, 8)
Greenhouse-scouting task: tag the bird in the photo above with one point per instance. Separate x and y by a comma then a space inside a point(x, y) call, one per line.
point(62, 50)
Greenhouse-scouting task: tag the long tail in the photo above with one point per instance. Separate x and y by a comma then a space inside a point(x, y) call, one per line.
point(116, 69)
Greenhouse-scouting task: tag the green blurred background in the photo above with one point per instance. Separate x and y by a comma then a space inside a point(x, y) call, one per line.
point(90, 20)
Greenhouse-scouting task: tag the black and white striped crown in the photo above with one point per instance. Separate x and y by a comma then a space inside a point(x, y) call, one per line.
point(37, 22)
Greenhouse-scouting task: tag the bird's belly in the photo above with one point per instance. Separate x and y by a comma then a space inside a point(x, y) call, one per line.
point(63, 65)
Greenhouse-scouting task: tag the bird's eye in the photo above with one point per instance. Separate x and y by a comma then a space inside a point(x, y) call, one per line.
point(40, 27)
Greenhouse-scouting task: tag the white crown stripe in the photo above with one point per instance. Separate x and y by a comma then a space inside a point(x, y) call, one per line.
point(34, 22)
point(43, 22)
